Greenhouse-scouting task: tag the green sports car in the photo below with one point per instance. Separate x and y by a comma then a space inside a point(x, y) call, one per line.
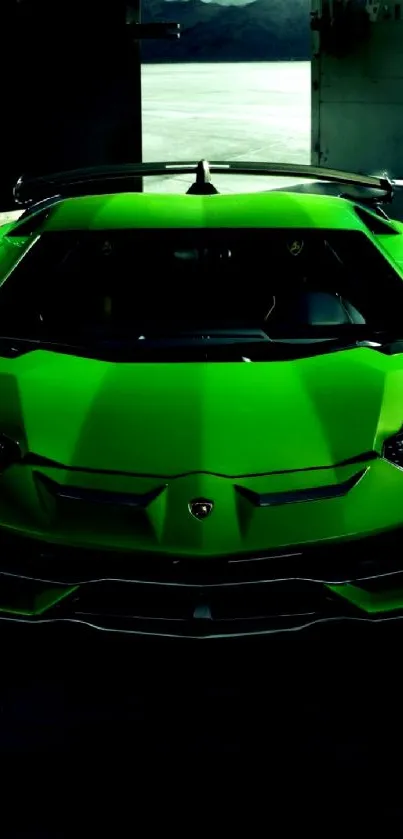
point(201, 403)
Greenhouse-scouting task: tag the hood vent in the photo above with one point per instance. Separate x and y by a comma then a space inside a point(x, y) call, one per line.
point(379, 224)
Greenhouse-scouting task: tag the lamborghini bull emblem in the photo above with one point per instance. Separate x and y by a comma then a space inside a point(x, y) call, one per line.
point(200, 508)
point(295, 247)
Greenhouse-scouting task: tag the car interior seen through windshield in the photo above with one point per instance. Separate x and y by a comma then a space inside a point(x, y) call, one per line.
point(94, 285)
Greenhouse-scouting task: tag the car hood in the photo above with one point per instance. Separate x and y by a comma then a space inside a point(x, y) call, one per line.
point(225, 418)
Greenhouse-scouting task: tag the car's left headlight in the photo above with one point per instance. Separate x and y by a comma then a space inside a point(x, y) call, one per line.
point(392, 449)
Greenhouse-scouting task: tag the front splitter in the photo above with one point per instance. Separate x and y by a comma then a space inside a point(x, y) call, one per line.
point(157, 609)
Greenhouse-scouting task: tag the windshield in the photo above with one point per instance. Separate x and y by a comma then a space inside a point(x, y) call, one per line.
point(130, 285)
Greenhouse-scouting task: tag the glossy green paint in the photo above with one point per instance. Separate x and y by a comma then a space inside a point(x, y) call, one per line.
point(393, 247)
point(30, 598)
point(11, 252)
point(154, 210)
point(370, 602)
point(200, 430)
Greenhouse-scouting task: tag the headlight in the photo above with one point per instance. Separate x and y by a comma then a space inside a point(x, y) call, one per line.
point(393, 449)
point(10, 452)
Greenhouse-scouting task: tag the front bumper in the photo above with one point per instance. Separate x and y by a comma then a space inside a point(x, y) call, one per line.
point(359, 581)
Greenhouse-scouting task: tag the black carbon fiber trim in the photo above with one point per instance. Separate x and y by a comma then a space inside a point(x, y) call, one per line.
point(321, 493)
point(92, 496)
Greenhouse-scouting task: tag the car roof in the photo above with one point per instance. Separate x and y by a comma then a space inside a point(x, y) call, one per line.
point(162, 211)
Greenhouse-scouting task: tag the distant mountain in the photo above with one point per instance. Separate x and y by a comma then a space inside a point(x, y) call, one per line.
point(263, 30)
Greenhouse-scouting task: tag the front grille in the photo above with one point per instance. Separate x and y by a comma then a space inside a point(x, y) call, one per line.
point(165, 595)
point(330, 562)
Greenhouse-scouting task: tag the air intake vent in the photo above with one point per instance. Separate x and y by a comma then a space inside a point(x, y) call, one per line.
point(377, 224)
point(33, 217)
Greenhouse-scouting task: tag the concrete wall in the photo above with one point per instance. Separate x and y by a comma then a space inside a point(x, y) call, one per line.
point(357, 98)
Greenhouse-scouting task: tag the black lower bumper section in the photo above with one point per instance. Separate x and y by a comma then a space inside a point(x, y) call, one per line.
point(149, 595)
point(87, 607)
point(172, 610)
